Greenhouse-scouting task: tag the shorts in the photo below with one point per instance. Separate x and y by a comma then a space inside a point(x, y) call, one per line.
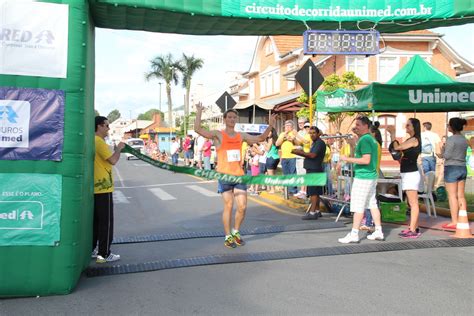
point(363, 195)
point(314, 190)
point(224, 186)
point(272, 163)
point(299, 166)
point(411, 181)
point(262, 167)
point(255, 171)
point(454, 174)
point(189, 154)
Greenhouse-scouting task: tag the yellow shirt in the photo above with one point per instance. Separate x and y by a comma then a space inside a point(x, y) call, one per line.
point(307, 147)
point(346, 150)
point(103, 181)
point(286, 148)
point(327, 155)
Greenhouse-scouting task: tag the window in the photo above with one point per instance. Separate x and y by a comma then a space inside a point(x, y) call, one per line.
point(386, 121)
point(359, 65)
point(388, 67)
point(268, 48)
point(162, 139)
point(291, 82)
point(252, 89)
point(270, 83)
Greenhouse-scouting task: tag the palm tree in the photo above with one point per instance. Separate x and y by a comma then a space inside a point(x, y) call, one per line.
point(166, 68)
point(189, 65)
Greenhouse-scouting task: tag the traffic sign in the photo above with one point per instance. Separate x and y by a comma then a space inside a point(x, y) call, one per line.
point(225, 102)
point(309, 77)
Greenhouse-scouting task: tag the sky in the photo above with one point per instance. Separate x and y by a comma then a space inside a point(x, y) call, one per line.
point(123, 58)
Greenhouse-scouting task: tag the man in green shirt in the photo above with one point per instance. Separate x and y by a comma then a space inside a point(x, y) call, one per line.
point(365, 181)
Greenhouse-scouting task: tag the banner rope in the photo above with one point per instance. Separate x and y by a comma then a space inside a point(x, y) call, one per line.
point(312, 179)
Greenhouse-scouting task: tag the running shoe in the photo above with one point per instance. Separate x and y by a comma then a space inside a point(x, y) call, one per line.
point(112, 257)
point(349, 239)
point(377, 235)
point(238, 239)
point(230, 242)
point(410, 235)
point(94, 253)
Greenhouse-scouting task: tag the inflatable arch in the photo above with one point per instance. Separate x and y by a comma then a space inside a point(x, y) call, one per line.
point(47, 112)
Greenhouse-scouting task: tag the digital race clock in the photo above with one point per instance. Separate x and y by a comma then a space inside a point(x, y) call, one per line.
point(322, 42)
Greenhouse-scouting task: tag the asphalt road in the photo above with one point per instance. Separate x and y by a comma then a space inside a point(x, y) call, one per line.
point(152, 201)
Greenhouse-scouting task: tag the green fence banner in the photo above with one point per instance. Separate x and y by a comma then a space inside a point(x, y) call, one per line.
point(30, 209)
point(313, 179)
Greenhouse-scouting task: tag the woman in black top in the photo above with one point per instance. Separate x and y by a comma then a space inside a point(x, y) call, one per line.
point(411, 178)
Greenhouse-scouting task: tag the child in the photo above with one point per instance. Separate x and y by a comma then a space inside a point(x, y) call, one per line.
point(254, 166)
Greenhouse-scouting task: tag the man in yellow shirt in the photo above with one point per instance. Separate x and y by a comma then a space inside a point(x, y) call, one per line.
point(103, 230)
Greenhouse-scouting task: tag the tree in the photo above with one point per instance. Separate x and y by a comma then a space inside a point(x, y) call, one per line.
point(113, 115)
point(96, 113)
point(348, 80)
point(166, 68)
point(148, 115)
point(189, 65)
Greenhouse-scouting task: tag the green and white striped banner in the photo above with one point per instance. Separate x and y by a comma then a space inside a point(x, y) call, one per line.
point(313, 179)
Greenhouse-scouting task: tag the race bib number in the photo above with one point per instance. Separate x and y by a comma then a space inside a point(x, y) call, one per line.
point(233, 155)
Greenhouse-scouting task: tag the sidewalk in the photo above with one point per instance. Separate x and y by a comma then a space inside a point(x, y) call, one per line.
point(299, 206)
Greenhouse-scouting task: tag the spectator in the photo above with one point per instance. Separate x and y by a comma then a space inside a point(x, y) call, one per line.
point(206, 153)
point(313, 163)
point(103, 226)
point(365, 181)
point(287, 140)
point(198, 147)
point(273, 159)
point(440, 165)
point(174, 151)
point(455, 171)
point(254, 168)
point(303, 132)
point(411, 178)
point(327, 165)
point(186, 149)
point(429, 148)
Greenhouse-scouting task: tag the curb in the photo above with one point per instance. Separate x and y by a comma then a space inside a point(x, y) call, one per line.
point(301, 207)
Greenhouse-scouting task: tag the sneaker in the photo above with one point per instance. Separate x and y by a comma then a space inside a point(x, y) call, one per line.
point(377, 235)
point(300, 195)
point(230, 242)
point(410, 235)
point(405, 231)
point(309, 216)
point(94, 253)
point(238, 239)
point(348, 239)
point(112, 257)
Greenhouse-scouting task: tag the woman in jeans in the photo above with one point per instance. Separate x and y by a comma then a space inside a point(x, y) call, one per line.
point(411, 149)
point(455, 171)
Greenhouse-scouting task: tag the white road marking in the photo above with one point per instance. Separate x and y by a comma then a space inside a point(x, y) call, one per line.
point(203, 191)
point(164, 184)
point(162, 194)
point(119, 176)
point(119, 197)
point(142, 165)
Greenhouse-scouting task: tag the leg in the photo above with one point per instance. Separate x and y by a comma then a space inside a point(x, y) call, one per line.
point(412, 196)
point(241, 200)
point(271, 173)
point(357, 219)
point(461, 197)
point(228, 198)
point(314, 203)
point(105, 223)
point(452, 189)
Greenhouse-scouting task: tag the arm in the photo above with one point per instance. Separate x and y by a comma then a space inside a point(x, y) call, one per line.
point(364, 160)
point(281, 139)
point(412, 142)
point(299, 140)
point(448, 149)
point(116, 155)
point(300, 152)
point(260, 138)
point(197, 124)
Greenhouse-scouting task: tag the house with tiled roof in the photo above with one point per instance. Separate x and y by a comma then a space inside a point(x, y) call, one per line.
point(270, 81)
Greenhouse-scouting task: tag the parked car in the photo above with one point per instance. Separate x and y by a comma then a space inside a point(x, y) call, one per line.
point(135, 143)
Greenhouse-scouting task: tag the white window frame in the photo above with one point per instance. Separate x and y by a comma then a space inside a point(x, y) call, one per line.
point(359, 62)
point(396, 69)
point(269, 48)
point(270, 82)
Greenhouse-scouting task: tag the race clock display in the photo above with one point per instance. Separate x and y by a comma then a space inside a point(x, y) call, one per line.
point(323, 42)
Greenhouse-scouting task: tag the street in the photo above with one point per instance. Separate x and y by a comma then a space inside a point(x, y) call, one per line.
point(150, 201)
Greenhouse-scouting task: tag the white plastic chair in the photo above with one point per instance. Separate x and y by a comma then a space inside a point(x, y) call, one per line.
point(427, 196)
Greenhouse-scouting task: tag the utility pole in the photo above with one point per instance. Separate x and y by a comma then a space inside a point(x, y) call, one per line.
point(160, 83)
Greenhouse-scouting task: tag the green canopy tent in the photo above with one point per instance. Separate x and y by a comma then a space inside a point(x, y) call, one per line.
point(418, 86)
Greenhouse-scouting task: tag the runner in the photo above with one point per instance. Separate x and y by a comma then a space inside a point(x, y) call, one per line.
point(228, 145)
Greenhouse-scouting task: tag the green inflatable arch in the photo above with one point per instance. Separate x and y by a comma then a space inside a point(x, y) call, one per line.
point(47, 110)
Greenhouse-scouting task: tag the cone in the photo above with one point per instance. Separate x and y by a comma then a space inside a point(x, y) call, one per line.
point(463, 230)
